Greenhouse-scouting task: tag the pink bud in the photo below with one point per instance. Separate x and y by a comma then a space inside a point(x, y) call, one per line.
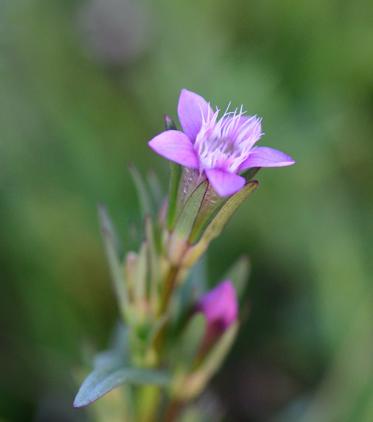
point(219, 306)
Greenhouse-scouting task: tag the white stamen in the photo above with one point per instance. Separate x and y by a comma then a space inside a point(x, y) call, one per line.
point(226, 142)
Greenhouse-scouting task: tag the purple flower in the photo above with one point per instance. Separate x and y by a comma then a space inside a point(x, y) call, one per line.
point(219, 306)
point(219, 147)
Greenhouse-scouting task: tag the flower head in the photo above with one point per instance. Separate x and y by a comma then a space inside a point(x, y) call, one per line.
point(219, 147)
point(219, 306)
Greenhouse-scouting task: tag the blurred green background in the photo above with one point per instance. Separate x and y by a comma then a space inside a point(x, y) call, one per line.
point(83, 87)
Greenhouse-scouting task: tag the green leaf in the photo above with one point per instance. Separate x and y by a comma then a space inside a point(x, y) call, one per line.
point(155, 189)
point(152, 260)
point(118, 354)
point(189, 213)
point(141, 274)
point(216, 356)
point(142, 192)
point(103, 380)
point(238, 273)
point(111, 369)
point(195, 382)
point(191, 339)
point(216, 226)
point(175, 178)
point(112, 253)
point(156, 329)
point(218, 222)
point(119, 343)
point(211, 205)
point(195, 284)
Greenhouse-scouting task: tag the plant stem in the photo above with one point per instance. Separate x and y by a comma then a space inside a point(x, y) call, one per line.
point(170, 283)
point(168, 289)
point(173, 411)
point(148, 397)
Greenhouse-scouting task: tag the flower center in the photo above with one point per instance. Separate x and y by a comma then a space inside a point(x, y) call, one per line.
point(215, 152)
point(225, 143)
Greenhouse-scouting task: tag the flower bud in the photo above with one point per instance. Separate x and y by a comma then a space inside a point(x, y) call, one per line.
point(169, 124)
point(219, 307)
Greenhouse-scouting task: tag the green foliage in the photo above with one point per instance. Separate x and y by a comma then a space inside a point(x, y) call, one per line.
point(238, 273)
point(218, 222)
point(175, 178)
point(142, 192)
point(111, 243)
point(188, 214)
point(112, 369)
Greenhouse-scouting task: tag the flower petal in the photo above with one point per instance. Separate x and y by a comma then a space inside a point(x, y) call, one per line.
point(223, 182)
point(190, 109)
point(175, 146)
point(266, 157)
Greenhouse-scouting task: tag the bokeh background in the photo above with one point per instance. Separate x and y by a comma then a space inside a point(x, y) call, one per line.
point(83, 86)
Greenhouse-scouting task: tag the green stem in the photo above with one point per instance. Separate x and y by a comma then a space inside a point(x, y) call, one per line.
point(169, 286)
point(148, 398)
point(170, 283)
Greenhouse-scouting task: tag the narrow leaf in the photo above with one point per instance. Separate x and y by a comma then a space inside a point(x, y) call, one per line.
point(217, 224)
point(238, 273)
point(191, 338)
point(196, 381)
point(141, 274)
point(221, 219)
point(155, 188)
point(189, 213)
point(211, 205)
point(215, 358)
point(118, 353)
point(103, 380)
point(142, 193)
point(175, 178)
point(194, 286)
point(190, 179)
point(156, 329)
point(115, 266)
point(153, 261)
